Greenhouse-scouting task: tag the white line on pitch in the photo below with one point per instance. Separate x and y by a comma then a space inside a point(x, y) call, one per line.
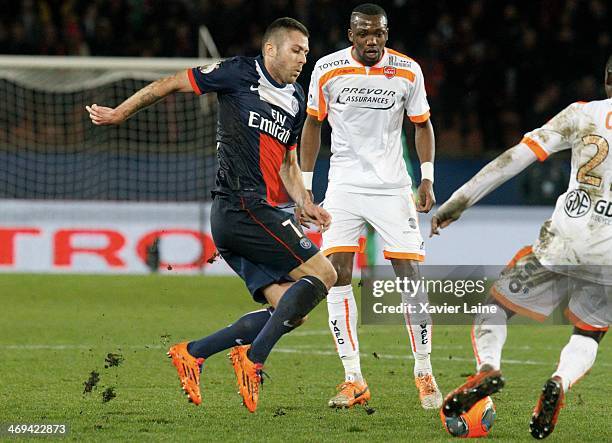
point(284, 350)
point(407, 357)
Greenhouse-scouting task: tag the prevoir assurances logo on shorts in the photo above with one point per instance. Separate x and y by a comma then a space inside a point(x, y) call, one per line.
point(577, 203)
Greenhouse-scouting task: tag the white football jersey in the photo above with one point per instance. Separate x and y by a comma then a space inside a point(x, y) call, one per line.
point(365, 107)
point(580, 230)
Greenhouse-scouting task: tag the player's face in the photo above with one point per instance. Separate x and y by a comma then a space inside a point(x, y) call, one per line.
point(369, 34)
point(289, 56)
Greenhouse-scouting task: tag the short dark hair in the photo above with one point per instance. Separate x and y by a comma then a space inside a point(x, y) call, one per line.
point(369, 9)
point(286, 24)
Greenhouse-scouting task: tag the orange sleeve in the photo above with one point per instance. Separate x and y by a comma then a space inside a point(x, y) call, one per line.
point(420, 118)
point(537, 149)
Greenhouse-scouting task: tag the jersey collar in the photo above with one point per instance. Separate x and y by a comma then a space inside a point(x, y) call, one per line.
point(377, 65)
point(260, 61)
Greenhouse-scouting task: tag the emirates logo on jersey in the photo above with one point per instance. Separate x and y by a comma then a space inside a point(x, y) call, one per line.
point(389, 71)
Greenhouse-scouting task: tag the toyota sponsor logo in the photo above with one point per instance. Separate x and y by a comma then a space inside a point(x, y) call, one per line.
point(577, 203)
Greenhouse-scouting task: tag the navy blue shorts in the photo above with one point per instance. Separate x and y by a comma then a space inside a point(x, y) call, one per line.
point(260, 242)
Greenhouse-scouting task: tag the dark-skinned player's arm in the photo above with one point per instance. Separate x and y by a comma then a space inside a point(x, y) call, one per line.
point(150, 94)
point(497, 172)
point(310, 142)
point(309, 148)
point(425, 142)
point(292, 178)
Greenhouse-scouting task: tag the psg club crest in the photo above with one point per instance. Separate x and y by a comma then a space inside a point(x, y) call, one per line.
point(389, 71)
point(305, 243)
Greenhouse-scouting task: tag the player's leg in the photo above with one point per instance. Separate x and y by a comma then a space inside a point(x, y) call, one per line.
point(313, 279)
point(488, 336)
point(270, 237)
point(489, 330)
point(342, 315)
point(525, 287)
point(577, 358)
point(189, 357)
point(342, 321)
point(396, 221)
point(590, 311)
point(340, 243)
point(419, 326)
point(244, 330)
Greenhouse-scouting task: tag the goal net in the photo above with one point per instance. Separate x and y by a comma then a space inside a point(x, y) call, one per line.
point(49, 149)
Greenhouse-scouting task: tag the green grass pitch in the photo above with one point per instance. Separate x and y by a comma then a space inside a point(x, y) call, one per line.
point(55, 330)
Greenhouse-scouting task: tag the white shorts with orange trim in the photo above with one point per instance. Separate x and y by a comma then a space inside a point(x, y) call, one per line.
point(394, 218)
point(528, 288)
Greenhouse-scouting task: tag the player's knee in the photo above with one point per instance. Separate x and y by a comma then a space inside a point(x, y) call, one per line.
point(344, 272)
point(324, 271)
point(274, 292)
point(595, 335)
point(406, 268)
point(328, 275)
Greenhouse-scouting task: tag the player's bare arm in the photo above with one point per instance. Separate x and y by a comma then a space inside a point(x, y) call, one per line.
point(150, 94)
point(309, 150)
point(291, 175)
point(310, 143)
point(425, 141)
point(489, 178)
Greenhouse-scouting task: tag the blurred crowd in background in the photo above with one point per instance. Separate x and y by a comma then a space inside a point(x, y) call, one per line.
point(494, 69)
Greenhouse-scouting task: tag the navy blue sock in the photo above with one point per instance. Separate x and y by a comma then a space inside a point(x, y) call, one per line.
point(242, 332)
point(298, 301)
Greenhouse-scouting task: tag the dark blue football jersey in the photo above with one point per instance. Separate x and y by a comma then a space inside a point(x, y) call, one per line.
point(259, 120)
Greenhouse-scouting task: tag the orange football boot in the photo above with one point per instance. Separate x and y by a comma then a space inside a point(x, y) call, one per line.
point(248, 376)
point(475, 388)
point(188, 368)
point(350, 393)
point(429, 393)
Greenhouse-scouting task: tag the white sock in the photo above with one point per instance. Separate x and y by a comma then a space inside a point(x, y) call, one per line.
point(419, 326)
point(342, 311)
point(488, 337)
point(577, 357)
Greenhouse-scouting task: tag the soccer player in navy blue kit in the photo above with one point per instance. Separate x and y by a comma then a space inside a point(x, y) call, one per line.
point(261, 113)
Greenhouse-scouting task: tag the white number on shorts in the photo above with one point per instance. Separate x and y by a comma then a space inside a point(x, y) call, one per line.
point(288, 222)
